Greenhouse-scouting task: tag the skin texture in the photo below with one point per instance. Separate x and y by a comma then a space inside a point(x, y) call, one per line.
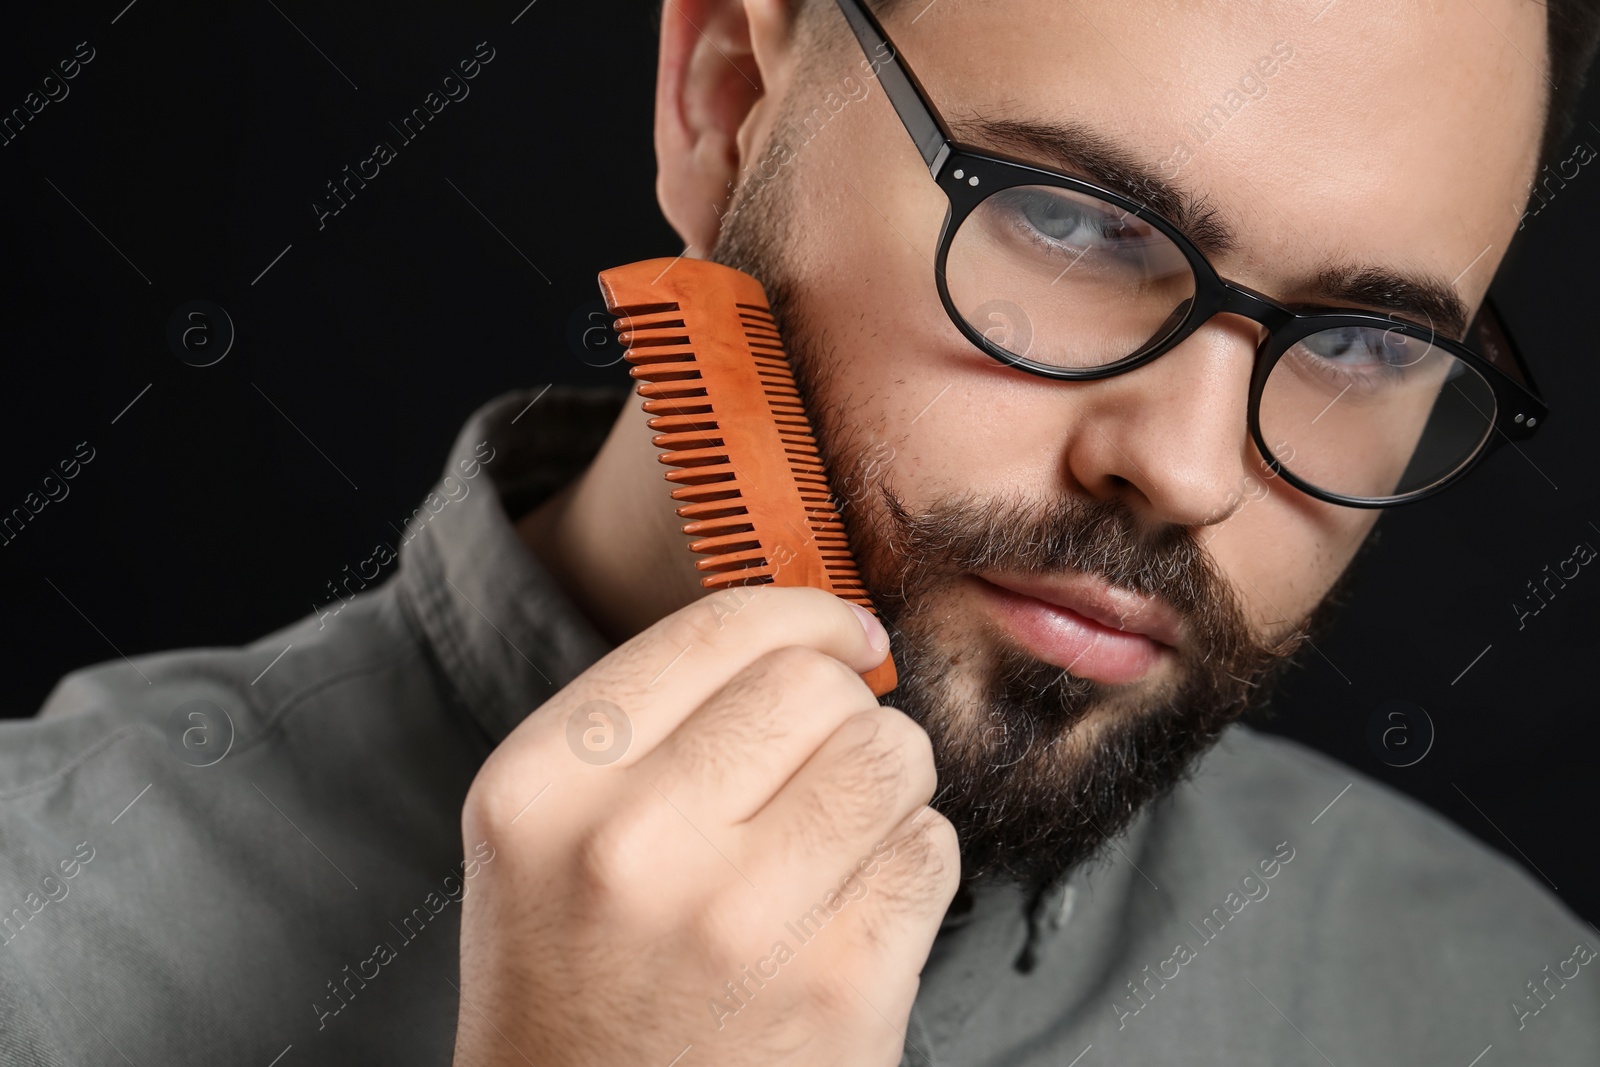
point(1400, 135)
point(639, 895)
point(1335, 161)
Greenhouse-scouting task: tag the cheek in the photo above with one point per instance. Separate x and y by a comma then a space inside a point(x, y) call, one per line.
point(954, 422)
point(892, 367)
point(1282, 553)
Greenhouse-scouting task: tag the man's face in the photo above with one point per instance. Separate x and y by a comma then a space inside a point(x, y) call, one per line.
point(1394, 136)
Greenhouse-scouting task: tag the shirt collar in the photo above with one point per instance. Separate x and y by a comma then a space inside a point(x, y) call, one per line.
point(505, 633)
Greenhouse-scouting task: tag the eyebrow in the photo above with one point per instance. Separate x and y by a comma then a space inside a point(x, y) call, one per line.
point(1418, 295)
point(1078, 149)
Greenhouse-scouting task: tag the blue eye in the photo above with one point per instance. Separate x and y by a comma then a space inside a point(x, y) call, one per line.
point(1072, 225)
point(1364, 345)
point(1062, 221)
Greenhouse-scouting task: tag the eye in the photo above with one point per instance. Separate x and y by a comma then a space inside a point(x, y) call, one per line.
point(1354, 346)
point(1074, 225)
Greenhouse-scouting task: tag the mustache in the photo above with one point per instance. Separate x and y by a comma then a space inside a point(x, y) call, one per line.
point(1099, 537)
point(1023, 810)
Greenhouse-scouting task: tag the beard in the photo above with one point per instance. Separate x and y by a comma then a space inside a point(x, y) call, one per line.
point(1038, 769)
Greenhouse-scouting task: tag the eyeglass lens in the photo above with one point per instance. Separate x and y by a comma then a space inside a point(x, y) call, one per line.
point(1357, 411)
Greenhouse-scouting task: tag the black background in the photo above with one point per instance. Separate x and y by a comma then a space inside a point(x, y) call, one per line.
point(186, 159)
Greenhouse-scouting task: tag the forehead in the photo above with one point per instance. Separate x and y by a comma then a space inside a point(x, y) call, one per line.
point(1397, 132)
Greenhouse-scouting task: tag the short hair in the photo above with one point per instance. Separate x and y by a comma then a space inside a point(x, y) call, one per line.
point(1572, 31)
point(1572, 35)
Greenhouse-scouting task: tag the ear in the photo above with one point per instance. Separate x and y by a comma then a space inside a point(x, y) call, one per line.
point(724, 65)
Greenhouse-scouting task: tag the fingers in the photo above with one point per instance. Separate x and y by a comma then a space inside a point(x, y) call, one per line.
point(873, 773)
point(659, 677)
point(881, 914)
point(762, 798)
point(732, 755)
point(893, 925)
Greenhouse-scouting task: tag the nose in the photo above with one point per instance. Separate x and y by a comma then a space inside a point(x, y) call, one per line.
point(1171, 437)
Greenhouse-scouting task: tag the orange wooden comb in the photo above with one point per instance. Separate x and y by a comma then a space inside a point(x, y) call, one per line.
point(723, 401)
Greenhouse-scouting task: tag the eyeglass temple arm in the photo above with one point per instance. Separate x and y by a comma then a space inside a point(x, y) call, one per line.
point(905, 93)
point(1496, 344)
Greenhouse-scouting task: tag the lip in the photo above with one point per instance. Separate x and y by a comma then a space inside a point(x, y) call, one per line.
point(1076, 622)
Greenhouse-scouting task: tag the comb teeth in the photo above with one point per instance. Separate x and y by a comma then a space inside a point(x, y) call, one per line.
point(689, 397)
point(745, 468)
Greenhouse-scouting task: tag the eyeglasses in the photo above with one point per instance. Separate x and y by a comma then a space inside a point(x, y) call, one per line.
point(1062, 278)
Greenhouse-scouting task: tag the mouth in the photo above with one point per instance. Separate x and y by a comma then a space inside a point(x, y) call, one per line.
point(1082, 625)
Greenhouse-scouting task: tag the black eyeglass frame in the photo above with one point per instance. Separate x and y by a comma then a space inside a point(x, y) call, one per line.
point(968, 176)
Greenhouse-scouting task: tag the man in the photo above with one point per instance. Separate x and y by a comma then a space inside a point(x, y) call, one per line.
point(540, 800)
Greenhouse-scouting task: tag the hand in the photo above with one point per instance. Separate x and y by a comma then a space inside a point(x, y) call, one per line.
point(757, 878)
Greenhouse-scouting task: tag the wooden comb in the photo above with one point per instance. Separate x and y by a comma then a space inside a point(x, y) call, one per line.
point(723, 403)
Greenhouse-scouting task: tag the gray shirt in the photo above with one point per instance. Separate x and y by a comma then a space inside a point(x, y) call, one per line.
point(253, 855)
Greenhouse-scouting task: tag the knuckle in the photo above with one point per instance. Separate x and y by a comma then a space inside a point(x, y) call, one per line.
point(479, 817)
point(879, 748)
point(847, 801)
point(799, 668)
point(922, 771)
point(619, 853)
point(934, 850)
point(729, 927)
point(492, 800)
point(728, 714)
point(846, 814)
point(940, 833)
point(620, 677)
point(909, 736)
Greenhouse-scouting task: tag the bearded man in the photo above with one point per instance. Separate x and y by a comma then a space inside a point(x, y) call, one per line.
point(1119, 324)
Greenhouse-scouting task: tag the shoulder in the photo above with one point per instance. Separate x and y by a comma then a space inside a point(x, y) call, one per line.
point(1271, 786)
point(1373, 841)
point(1393, 910)
point(167, 816)
point(197, 703)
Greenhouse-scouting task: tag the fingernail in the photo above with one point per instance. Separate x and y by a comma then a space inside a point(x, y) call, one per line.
point(877, 636)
